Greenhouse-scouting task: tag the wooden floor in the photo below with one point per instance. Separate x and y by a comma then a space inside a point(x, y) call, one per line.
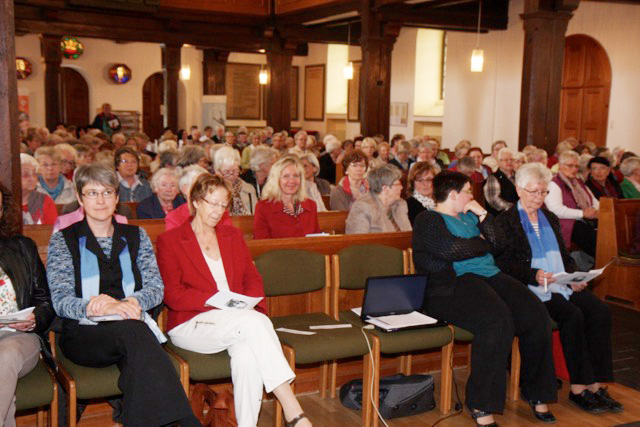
point(329, 412)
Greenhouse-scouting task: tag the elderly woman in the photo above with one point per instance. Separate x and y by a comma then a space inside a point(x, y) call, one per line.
point(255, 139)
point(499, 189)
point(285, 210)
point(461, 150)
point(420, 190)
point(519, 159)
point(300, 141)
point(353, 185)
point(262, 158)
point(37, 207)
point(601, 181)
point(466, 288)
point(23, 284)
point(382, 209)
point(133, 188)
point(98, 267)
point(68, 159)
point(531, 250)
point(227, 164)
point(476, 154)
point(467, 166)
point(538, 155)
point(192, 155)
point(574, 204)
point(327, 161)
point(630, 168)
point(384, 152)
point(492, 161)
point(178, 216)
point(201, 258)
point(312, 173)
point(369, 148)
point(426, 153)
point(310, 166)
point(166, 195)
point(51, 181)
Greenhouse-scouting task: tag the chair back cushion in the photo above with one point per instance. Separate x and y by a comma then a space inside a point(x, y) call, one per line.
point(359, 262)
point(291, 271)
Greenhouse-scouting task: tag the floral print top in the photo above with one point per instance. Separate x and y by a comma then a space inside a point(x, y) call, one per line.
point(8, 303)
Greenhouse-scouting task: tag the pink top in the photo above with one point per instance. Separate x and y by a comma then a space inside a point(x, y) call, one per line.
point(66, 220)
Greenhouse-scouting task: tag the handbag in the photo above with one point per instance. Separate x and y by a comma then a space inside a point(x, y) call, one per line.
point(400, 395)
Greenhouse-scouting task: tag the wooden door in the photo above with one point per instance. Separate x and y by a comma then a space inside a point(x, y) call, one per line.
point(586, 86)
point(152, 100)
point(74, 97)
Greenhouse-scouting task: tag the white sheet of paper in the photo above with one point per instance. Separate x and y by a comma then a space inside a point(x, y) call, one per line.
point(339, 326)
point(225, 300)
point(295, 331)
point(106, 318)
point(577, 277)
point(398, 321)
point(18, 316)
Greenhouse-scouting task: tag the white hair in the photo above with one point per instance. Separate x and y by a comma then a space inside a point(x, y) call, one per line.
point(627, 167)
point(226, 156)
point(260, 155)
point(568, 155)
point(167, 144)
point(331, 144)
point(311, 158)
point(161, 173)
point(532, 172)
point(504, 151)
point(188, 176)
point(26, 159)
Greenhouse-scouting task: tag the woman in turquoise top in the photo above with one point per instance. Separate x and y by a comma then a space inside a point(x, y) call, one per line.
point(466, 289)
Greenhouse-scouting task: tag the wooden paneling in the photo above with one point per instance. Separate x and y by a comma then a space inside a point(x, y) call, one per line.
point(75, 97)
point(241, 7)
point(243, 91)
point(585, 92)
point(287, 6)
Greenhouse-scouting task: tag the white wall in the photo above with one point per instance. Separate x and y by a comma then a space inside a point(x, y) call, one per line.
point(403, 75)
point(28, 46)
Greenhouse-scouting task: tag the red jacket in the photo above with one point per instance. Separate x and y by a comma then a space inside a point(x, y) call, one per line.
point(270, 221)
point(188, 282)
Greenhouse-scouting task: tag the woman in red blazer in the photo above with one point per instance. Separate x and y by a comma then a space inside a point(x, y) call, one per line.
point(285, 210)
point(199, 259)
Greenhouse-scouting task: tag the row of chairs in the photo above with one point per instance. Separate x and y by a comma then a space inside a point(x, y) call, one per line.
point(303, 289)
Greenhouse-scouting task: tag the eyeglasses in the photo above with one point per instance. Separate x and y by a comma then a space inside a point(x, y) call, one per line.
point(537, 193)
point(107, 194)
point(123, 161)
point(467, 191)
point(29, 174)
point(216, 205)
point(49, 165)
point(230, 172)
point(424, 180)
point(358, 165)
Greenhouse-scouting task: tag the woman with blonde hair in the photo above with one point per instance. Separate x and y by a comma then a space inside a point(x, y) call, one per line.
point(369, 147)
point(285, 209)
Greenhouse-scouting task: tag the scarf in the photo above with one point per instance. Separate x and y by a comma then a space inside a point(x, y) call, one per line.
point(35, 207)
point(545, 253)
point(580, 194)
point(90, 274)
point(237, 205)
point(425, 201)
point(53, 192)
point(346, 186)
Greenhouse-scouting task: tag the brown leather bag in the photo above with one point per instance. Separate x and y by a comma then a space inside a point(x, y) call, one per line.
point(213, 409)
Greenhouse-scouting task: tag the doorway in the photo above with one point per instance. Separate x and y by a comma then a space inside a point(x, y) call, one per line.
point(152, 105)
point(74, 97)
point(586, 86)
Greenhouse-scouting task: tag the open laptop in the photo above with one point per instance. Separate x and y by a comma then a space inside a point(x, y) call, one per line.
point(393, 303)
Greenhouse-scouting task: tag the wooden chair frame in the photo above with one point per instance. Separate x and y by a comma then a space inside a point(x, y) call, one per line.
point(52, 411)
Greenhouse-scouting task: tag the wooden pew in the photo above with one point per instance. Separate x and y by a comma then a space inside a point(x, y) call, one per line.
point(134, 209)
point(478, 192)
point(617, 226)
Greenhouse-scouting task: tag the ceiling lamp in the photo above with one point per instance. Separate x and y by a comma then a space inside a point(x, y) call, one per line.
point(477, 56)
point(263, 77)
point(348, 69)
point(185, 72)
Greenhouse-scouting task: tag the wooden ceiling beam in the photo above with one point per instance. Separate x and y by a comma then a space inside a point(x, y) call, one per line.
point(450, 18)
point(321, 34)
point(313, 13)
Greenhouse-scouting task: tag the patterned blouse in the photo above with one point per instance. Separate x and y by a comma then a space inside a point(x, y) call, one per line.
point(8, 303)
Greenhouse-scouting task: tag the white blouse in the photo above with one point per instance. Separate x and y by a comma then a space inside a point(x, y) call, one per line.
point(217, 271)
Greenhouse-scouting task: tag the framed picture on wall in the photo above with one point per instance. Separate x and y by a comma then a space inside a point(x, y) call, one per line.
point(243, 91)
point(353, 94)
point(314, 92)
point(399, 114)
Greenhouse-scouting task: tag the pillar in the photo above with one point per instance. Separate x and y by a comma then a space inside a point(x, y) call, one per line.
point(52, 57)
point(171, 70)
point(279, 61)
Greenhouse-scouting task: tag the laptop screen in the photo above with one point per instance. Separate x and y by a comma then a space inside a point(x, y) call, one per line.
point(393, 295)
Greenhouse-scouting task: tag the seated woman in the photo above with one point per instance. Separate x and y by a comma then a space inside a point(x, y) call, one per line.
point(200, 258)
point(37, 207)
point(285, 209)
point(227, 164)
point(166, 195)
point(382, 209)
point(261, 160)
point(601, 180)
point(133, 188)
point(23, 283)
point(98, 267)
point(51, 181)
point(311, 166)
point(369, 147)
point(420, 190)
point(476, 154)
point(353, 185)
point(451, 244)
point(461, 150)
point(630, 168)
point(574, 204)
point(530, 249)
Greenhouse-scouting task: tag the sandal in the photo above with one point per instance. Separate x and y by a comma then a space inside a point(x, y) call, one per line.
point(294, 421)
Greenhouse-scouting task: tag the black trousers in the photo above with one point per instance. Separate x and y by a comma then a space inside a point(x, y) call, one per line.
point(585, 333)
point(495, 309)
point(585, 236)
point(153, 395)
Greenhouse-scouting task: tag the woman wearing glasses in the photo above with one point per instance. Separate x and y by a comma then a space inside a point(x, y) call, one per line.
point(353, 185)
point(133, 188)
point(226, 163)
point(420, 189)
point(98, 267)
point(37, 208)
point(50, 180)
point(531, 249)
point(200, 258)
point(285, 209)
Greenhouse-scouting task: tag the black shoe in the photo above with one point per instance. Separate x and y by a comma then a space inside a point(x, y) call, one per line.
point(612, 405)
point(545, 417)
point(587, 401)
point(475, 414)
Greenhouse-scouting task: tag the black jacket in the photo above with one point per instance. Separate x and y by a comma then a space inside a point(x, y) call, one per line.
point(511, 247)
point(150, 208)
point(435, 249)
point(20, 261)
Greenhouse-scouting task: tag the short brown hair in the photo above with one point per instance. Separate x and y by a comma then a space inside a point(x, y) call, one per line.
point(418, 169)
point(125, 150)
point(207, 183)
point(354, 156)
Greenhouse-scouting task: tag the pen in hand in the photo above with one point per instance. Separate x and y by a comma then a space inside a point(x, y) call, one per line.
point(545, 284)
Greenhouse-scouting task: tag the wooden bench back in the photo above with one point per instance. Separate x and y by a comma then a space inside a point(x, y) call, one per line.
point(617, 226)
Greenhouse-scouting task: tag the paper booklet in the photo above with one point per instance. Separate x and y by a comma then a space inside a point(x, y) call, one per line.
point(578, 277)
point(398, 321)
point(225, 300)
point(19, 316)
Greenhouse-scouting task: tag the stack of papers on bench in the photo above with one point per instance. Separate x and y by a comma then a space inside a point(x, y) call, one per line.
point(394, 322)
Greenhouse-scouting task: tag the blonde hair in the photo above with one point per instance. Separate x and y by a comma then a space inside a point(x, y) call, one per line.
point(272, 191)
